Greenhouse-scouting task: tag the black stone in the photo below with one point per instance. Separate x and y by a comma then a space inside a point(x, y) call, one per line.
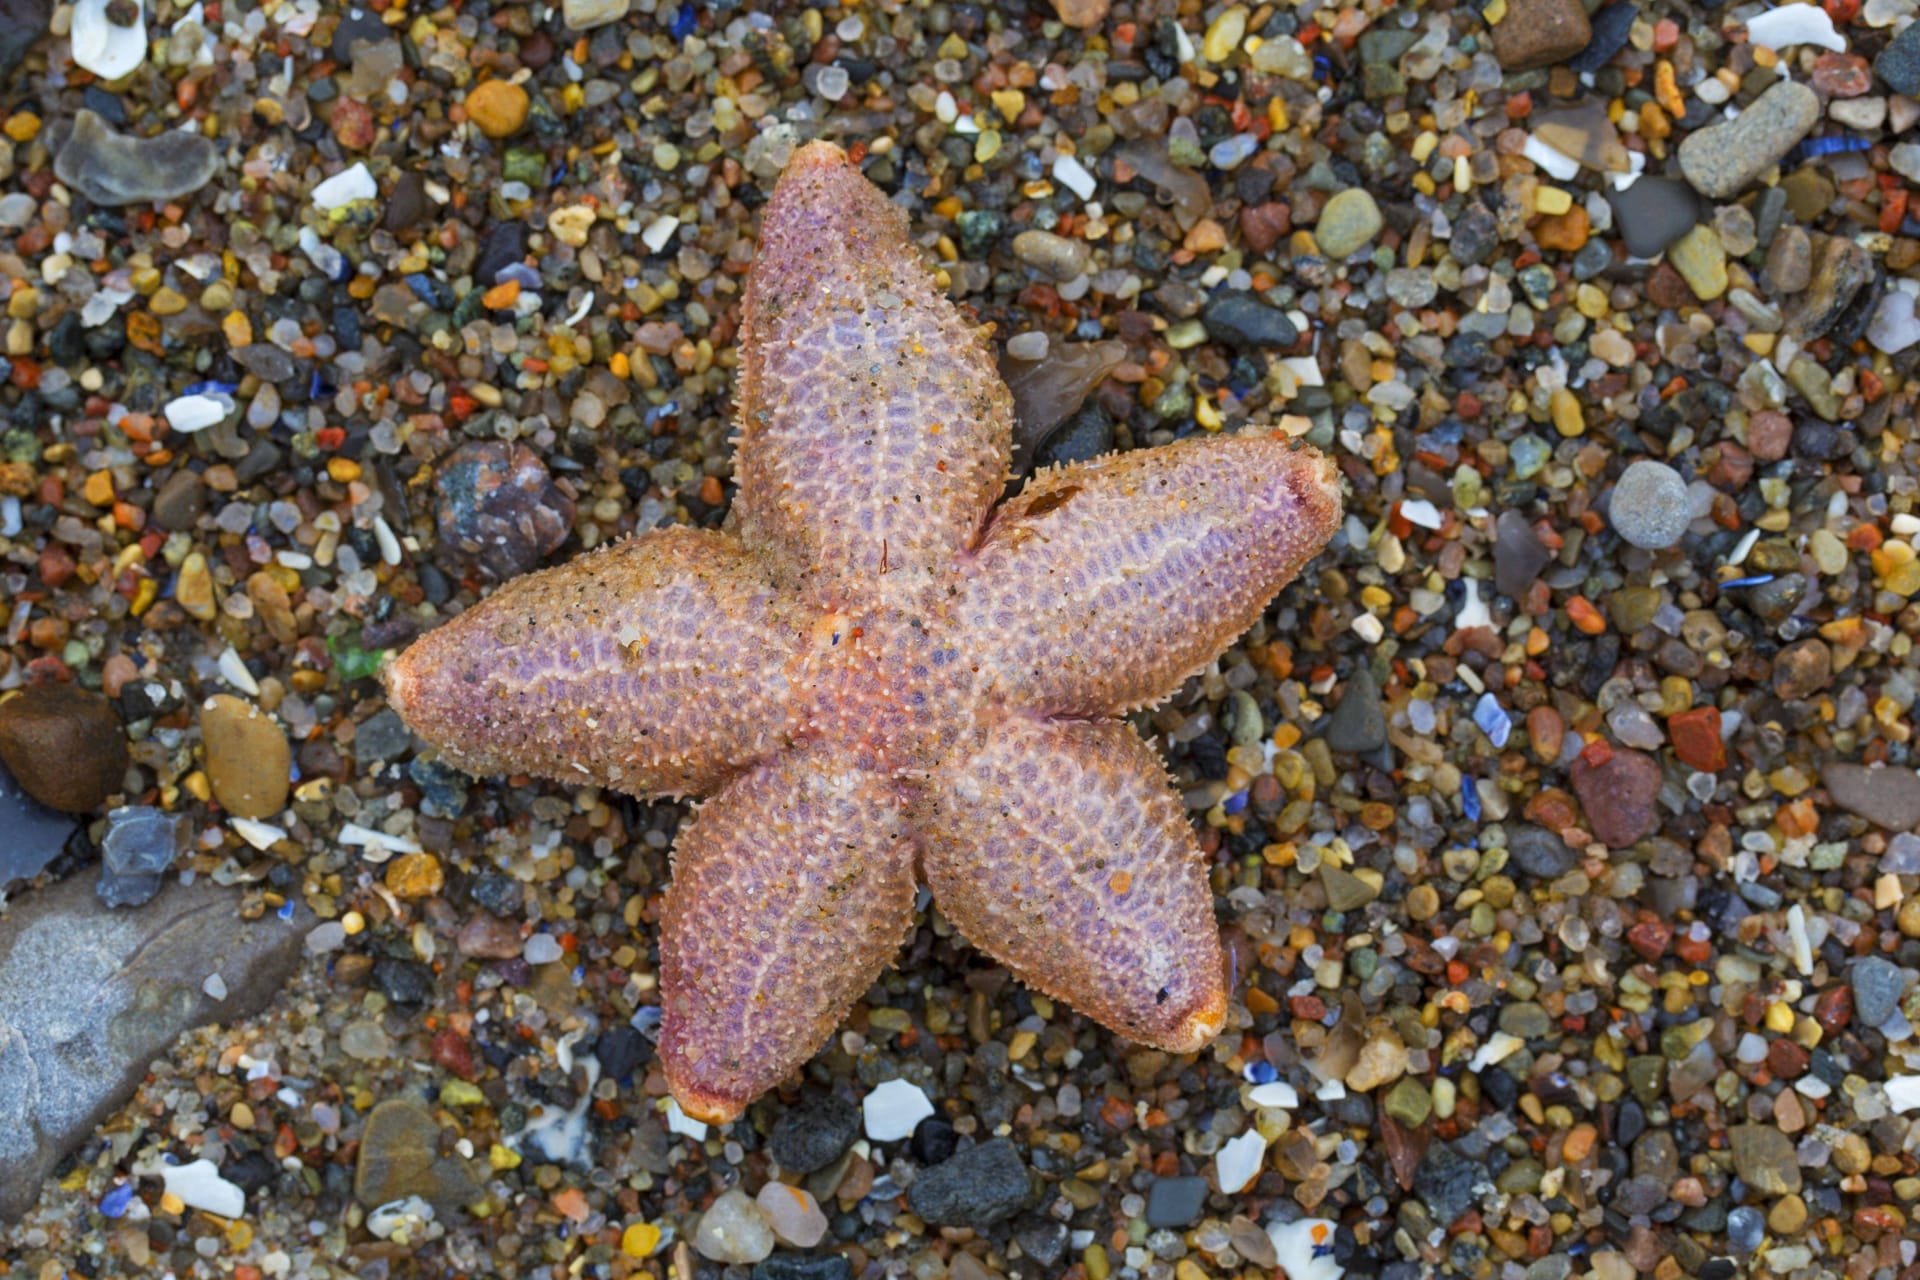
point(1653, 213)
point(498, 894)
point(933, 1141)
point(1540, 853)
point(620, 1050)
point(1175, 1202)
point(1087, 434)
point(813, 1134)
point(1476, 233)
point(1610, 28)
point(980, 230)
point(978, 1187)
point(21, 23)
point(1359, 723)
point(1447, 1182)
point(66, 341)
point(1240, 319)
point(1045, 1243)
point(803, 1266)
point(1899, 63)
point(360, 25)
point(251, 1171)
point(403, 981)
point(506, 244)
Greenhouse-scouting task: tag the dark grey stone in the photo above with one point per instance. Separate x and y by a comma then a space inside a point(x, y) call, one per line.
point(1448, 1183)
point(1359, 723)
point(1878, 985)
point(1240, 319)
point(1175, 1202)
point(977, 1187)
point(813, 1134)
point(90, 996)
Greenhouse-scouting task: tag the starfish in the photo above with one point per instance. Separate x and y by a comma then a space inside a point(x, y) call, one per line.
point(879, 677)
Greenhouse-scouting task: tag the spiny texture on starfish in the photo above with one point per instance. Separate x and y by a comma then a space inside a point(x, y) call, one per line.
point(879, 678)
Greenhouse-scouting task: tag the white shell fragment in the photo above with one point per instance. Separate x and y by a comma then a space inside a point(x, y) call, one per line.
point(344, 188)
point(1794, 24)
point(200, 1186)
point(893, 1109)
point(104, 47)
point(188, 414)
point(1239, 1160)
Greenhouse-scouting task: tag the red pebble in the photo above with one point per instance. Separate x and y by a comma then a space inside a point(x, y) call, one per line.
point(1834, 1009)
point(56, 566)
point(453, 1052)
point(1650, 939)
point(1697, 740)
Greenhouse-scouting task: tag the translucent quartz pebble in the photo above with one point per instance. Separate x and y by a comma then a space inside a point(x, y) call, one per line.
point(111, 168)
point(140, 846)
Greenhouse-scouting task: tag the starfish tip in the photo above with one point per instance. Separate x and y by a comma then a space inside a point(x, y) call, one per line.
point(710, 1108)
point(818, 154)
point(1200, 1027)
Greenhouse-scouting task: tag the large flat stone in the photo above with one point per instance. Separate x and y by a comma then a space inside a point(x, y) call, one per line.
point(90, 996)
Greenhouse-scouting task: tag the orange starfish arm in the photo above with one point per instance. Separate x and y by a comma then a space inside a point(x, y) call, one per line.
point(792, 889)
point(1058, 848)
point(676, 632)
point(1103, 585)
point(874, 429)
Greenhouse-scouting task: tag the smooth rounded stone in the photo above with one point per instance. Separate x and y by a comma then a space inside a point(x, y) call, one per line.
point(1612, 24)
point(498, 508)
point(365, 1040)
point(22, 23)
point(1519, 557)
point(1652, 213)
point(1348, 222)
point(1175, 1202)
point(1764, 1158)
point(794, 1215)
point(400, 1157)
point(1620, 798)
point(114, 169)
point(1053, 255)
point(1887, 796)
point(249, 762)
point(584, 15)
point(181, 500)
point(498, 107)
point(1245, 322)
point(64, 745)
point(1721, 160)
point(136, 853)
point(733, 1229)
point(1899, 63)
point(381, 737)
point(1701, 259)
point(1359, 723)
point(1087, 434)
point(804, 1266)
point(1539, 33)
point(1878, 985)
point(1649, 507)
point(1802, 669)
point(141, 978)
point(813, 1134)
point(1540, 853)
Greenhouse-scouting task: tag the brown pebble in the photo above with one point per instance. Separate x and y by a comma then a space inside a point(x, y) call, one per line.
point(1769, 433)
point(64, 745)
point(1539, 33)
point(1801, 669)
point(248, 760)
point(1620, 797)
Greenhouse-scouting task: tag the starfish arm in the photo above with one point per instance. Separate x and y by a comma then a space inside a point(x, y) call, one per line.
point(655, 666)
point(792, 890)
point(1103, 585)
point(1058, 848)
point(874, 429)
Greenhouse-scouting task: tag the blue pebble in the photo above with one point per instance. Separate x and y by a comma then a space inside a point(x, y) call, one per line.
point(1234, 803)
point(114, 1203)
point(1493, 720)
point(1260, 1071)
point(684, 19)
point(1470, 799)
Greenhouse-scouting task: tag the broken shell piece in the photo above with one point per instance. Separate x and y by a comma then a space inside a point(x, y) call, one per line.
point(110, 36)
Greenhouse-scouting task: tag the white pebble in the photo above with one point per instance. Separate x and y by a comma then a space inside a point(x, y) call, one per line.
point(893, 1109)
point(1903, 1093)
point(107, 48)
point(1557, 163)
point(1304, 1249)
point(1499, 1047)
point(683, 1124)
point(1239, 1160)
point(355, 834)
point(389, 545)
point(233, 669)
point(1794, 24)
point(200, 1186)
point(188, 414)
point(1031, 345)
point(1278, 1094)
point(215, 986)
point(1070, 173)
point(261, 835)
point(1419, 511)
point(1369, 628)
point(344, 188)
point(543, 948)
point(1895, 327)
point(659, 231)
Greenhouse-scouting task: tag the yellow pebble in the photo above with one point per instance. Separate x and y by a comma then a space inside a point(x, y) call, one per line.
point(167, 301)
point(22, 126)
point(1568, 418)
point(1780, 1017)
point(353, 922)
point(503, 1158)
point(639, 1239)
point(343, 470)
point(1551, 201)
point(1009, 103)
point(618, 365)
point(238, 328)
point(98, 489)
point(458, 1093)
point(171, 1203)
point(415, 875)
point(1225, 34)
